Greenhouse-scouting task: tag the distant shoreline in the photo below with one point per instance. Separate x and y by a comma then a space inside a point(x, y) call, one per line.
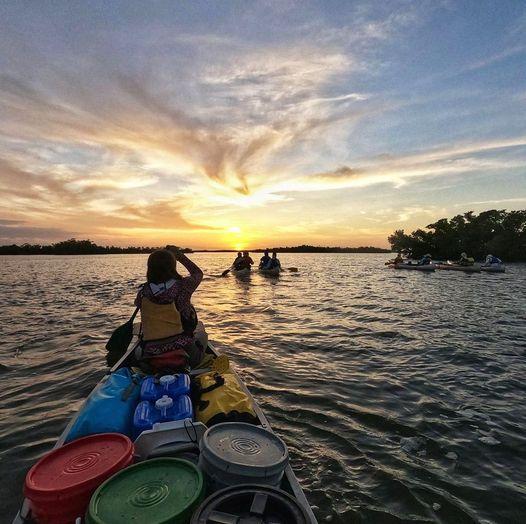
point(302, 250)
point(86, 247)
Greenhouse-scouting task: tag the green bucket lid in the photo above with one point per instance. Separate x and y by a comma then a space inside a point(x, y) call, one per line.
point(157, 491)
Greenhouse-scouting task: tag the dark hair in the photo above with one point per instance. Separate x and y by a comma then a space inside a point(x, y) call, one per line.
point(161, 267)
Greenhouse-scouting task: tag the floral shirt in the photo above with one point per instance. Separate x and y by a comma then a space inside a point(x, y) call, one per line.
point(180, 293)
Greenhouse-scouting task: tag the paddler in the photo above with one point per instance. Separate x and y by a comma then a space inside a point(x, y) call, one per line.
point(265, 259)
point(465, 260)
point(273, 262)
point(491, 260)
point(399, 258)
point(238, 259)
point(245, 262)
point(425, 260)
point(168, 318)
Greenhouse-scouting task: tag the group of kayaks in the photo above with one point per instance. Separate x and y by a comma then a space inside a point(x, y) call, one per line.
point(450, 266)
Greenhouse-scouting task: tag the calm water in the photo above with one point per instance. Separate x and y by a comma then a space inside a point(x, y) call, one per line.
point(401, 395)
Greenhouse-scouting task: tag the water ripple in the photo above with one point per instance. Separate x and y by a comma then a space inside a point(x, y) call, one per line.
point(400, 396)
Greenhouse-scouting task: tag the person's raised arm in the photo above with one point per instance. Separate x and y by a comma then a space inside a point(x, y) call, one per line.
point(196, 275)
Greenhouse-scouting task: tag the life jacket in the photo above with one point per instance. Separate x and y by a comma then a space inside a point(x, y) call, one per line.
point(159, 321)
point(264, 261)
point(468, 261)
point(218, 397)
point(274, 262)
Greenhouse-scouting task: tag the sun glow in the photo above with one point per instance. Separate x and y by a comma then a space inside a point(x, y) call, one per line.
point(235, 238)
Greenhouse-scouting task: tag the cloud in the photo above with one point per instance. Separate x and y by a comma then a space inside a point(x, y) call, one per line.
point(493, 202)
point(18, 182)
point(165, 124)
point(17, 233)
point(156, 215)
point(496, 57)
point(273, 101)
point(450, 160)
point(7, 222)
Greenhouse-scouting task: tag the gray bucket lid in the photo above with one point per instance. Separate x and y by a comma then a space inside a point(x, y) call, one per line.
point(240, 448)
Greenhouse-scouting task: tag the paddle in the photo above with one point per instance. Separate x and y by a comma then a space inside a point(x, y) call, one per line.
point(293, 269)
point(225, 272)
point(120, 340)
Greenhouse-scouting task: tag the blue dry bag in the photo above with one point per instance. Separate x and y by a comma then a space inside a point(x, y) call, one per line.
point(110, 407)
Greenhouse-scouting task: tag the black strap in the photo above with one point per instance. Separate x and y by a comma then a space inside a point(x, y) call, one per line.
point(219, 381)
point(132, 318)
point(129, 390)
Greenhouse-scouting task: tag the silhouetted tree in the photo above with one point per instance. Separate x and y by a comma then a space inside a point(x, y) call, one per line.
point(495, 231)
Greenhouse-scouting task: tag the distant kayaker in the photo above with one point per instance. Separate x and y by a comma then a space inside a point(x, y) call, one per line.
point(238, 259)
point(168, 319)
point(245, 262)
point(399, 258)
point(490, 260)
point(425, 260)
point(465, 260)
point(273, 262)
point(265, 259)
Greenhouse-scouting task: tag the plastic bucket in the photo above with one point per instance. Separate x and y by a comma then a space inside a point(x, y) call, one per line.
point(157, 491)
point(251, 503)
point(234, 453)
point(60, 484)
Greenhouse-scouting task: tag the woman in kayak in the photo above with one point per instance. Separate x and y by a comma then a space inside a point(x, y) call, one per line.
point(168, 319)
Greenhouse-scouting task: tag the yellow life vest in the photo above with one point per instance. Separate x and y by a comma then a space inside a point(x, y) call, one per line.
point(159, 320)
point(221, 399)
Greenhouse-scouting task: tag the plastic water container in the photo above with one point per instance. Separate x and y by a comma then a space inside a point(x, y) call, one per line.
point(59, 486)
point(157, 491)
point(165, 409)
point(234, 453)
point(251, 503)
point(110, 407)
point(173, 386)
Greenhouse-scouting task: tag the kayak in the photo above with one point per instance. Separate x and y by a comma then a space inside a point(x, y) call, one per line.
point(494, 268)
point(288, 484)
point(457, 267)
point(416, 267)
point(274, 272)
point(241, 272)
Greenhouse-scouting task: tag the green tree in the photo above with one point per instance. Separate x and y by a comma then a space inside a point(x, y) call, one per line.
point(494, 231)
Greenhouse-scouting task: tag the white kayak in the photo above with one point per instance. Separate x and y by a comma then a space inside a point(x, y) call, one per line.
point(415, 267)
point(274, 272)
point(241, 272)
point(494, 268)
point(457, 267)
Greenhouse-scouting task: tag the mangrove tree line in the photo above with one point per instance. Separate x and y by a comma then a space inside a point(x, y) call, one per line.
point(498, 232)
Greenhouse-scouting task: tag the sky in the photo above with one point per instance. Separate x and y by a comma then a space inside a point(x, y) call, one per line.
point(243, 124)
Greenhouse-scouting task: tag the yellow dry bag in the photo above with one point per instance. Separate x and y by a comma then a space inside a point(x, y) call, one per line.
point(221, 399)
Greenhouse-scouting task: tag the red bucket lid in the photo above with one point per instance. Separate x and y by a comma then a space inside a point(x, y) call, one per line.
point(81, 465)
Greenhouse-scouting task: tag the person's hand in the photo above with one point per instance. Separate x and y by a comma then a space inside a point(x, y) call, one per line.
point(178, 254)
